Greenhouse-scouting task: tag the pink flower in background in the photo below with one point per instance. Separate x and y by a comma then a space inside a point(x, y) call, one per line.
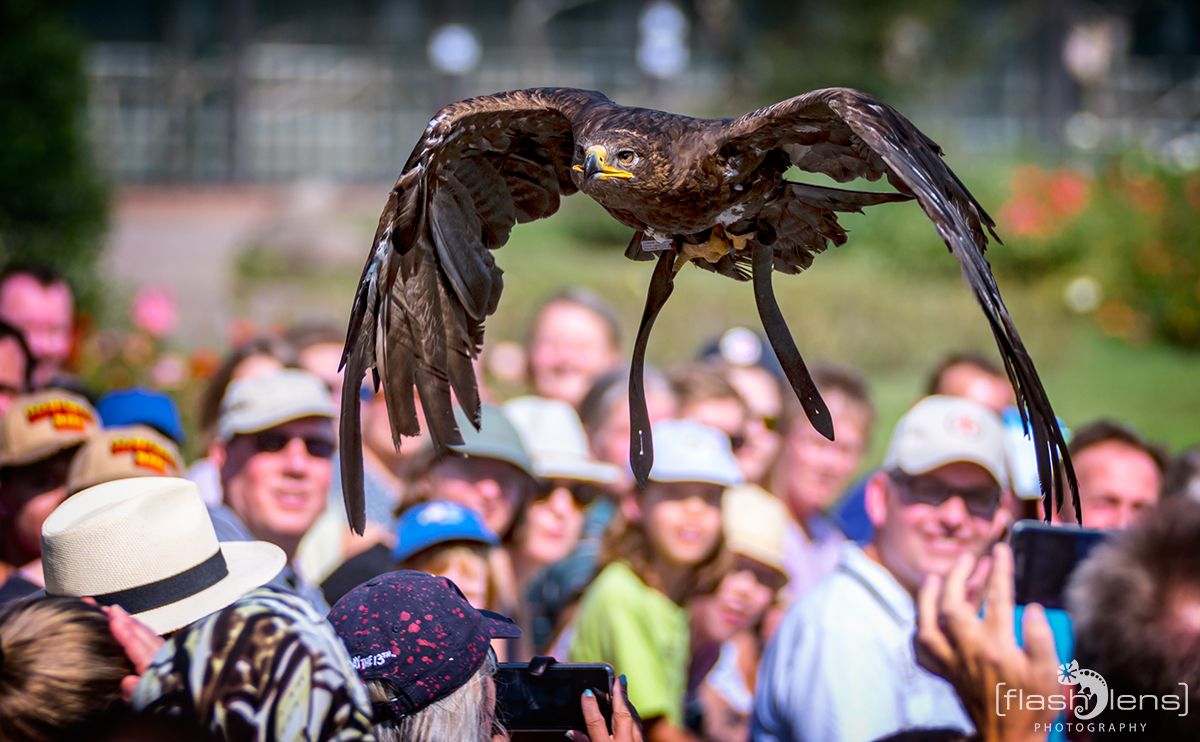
point(169, 371)
point(154, 312)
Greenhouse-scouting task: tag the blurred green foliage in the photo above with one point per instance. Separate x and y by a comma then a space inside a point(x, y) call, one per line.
point(53, 201)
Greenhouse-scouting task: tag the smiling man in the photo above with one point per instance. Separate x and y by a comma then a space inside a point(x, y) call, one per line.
point(274, 450)
point(841, 666)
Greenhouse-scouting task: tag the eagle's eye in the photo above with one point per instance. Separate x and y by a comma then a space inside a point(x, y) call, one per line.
point(626, 157)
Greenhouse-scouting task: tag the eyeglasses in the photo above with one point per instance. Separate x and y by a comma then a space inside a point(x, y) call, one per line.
point(273, 442)
point(981, 502)
point(583, 493)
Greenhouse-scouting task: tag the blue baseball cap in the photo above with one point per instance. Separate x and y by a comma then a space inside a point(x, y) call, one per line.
point(141, 406)
point(438, 522)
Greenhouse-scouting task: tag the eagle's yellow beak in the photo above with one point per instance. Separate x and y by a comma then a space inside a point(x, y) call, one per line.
point(594, 165)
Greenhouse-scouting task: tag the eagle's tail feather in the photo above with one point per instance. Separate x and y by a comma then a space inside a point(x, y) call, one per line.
point(641, 446)
point(783, 345)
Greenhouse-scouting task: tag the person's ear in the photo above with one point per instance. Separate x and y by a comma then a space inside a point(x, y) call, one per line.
point(876, 498)
point(218, 454)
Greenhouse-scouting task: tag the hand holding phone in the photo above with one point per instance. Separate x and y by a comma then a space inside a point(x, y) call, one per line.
point(1045, 556)
point(548, 698)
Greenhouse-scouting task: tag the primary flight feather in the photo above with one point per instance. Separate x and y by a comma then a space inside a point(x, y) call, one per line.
point(710, 192)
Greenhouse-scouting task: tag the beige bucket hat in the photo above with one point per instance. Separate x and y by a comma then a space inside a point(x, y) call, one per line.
point(147, 544)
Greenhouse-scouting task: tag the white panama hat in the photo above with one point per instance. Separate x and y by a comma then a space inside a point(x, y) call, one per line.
point(556, 441)
point(147, 544)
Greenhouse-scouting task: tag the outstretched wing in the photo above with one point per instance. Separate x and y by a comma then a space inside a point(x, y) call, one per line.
point(429, 283)
point(846, 134)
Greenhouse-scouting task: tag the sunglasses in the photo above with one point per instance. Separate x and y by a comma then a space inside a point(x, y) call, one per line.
point(981, 502)
point(583, 493)
point(274, 442)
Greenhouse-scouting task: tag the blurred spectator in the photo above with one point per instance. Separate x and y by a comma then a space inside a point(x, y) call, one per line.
point(267, 667)
point(633, 615)
point(60, 670)
point(16, 364)
point(259, 355)
point(318, 349)
point(452, 698)
point(725, 645)
point(1120, 475)
point(123, 453)
point(1183, 476)
point(575, 336)
point(147, 545)
point(704, 394)
point(604, 413)
point(570, 479)
point(141, 406)
point(38, 300)
point(274, 449)
point(750, 365)
point(936, 498)
point(972, 376)
point(39, 434)
point(812, 471)
point(1135, 605)
point(437, 536)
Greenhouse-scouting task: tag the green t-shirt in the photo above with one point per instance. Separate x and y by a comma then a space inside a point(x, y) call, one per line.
point(642, 633)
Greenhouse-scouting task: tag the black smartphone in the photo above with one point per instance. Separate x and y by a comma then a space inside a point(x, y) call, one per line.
point(549, 702)
point(1045, 556)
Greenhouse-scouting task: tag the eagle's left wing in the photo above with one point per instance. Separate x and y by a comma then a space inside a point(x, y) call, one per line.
point(847, 134)
point(429, 283)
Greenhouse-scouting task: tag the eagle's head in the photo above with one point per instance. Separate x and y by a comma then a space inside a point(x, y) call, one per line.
point(613, 162)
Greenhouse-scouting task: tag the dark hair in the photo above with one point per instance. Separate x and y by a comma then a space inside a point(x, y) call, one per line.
point(580, 298)
point(306, 334)
point(1132, 603)
point(1106, 430)
point(44, 275)
point(11, 331)
point(60, 668)
point(933, 383)
point(214, 392)
point(700, 382)
point(612, 385)
point(829, 378)
point(1183, 475)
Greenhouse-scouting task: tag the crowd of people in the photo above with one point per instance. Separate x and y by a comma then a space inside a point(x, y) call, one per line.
point(764, 584)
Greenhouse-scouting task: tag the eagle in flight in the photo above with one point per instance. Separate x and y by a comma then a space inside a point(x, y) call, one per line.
point(710, 192)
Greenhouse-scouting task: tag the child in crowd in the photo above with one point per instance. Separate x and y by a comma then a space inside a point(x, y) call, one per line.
point(633, 615)
point(726, 637)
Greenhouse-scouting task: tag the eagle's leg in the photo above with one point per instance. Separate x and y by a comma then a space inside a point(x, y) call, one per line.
point(781, 341)
point(641, 447)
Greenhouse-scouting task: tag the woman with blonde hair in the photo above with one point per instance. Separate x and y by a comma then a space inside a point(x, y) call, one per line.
point(60, 669)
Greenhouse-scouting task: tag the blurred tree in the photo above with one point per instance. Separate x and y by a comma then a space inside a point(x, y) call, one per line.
point(53, 201)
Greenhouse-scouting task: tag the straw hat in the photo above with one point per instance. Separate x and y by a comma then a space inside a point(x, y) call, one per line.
point(148, 545)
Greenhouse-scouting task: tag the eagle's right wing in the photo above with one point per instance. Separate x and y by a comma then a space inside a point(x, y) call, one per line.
point(430, 281)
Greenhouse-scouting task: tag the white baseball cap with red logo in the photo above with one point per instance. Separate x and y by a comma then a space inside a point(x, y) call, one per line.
point(942, 430)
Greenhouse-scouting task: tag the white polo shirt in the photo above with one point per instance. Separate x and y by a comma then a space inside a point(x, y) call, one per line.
point(841, 666)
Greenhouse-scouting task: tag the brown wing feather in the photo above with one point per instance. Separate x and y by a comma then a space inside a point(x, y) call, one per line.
point(847, 134)
point(429, 283)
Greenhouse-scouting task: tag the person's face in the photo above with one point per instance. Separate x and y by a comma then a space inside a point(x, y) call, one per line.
point(762, 396)
point(682, 520)
point(44, 314)
point(255, 365)
point(551, 526)
point(610, 442)
point(971, 382)
point(1118, 484)
point(493, 489)
point(276, 481)
point(570, 347)
point(28, 494)
point(322, 360)
point(12, 372)
point(739, 602)
point(464, 565)
point(916, 538)
point(726, 415)
point(815, 469)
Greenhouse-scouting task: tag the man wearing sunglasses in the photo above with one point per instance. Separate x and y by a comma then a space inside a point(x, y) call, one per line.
point(841, 665)
point(274, 449)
